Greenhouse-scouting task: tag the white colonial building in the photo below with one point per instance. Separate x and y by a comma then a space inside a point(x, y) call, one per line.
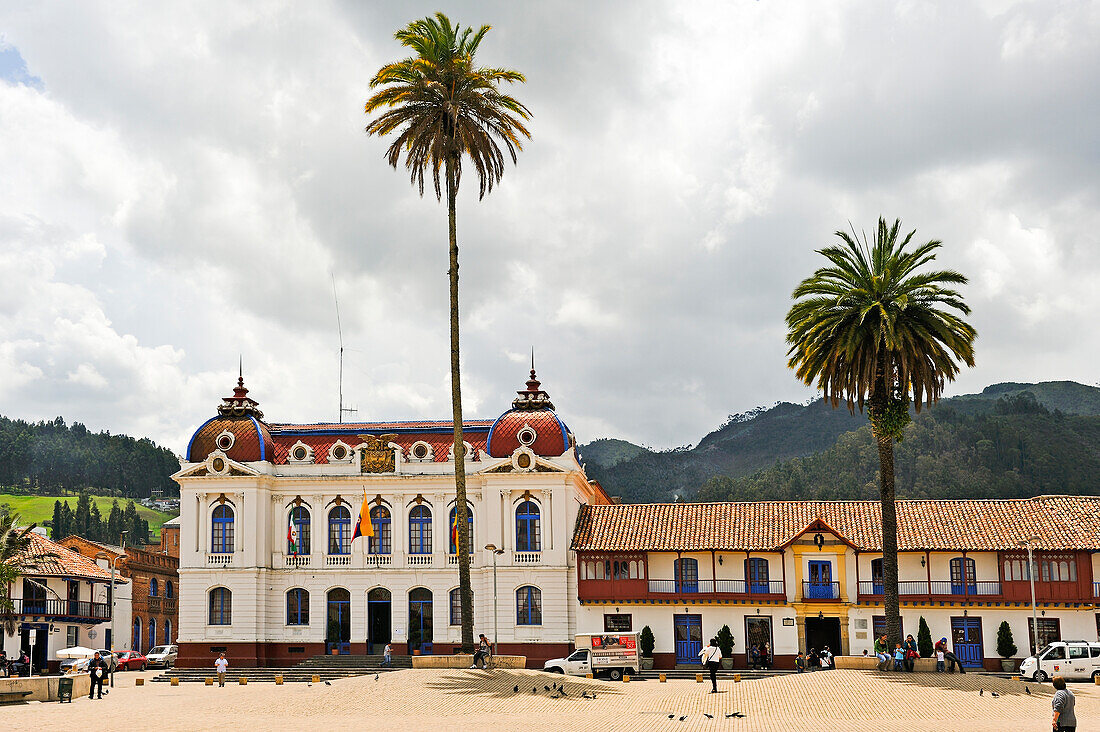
point(269, 571)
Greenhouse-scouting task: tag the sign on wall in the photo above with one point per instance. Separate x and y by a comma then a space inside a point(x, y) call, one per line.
point(618, 623)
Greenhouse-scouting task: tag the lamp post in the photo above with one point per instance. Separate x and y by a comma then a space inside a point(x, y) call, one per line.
point(496, 630)
point(1031, 576)
point(111, 600)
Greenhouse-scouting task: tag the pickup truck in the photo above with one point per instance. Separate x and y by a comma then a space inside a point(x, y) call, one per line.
point(607, 654)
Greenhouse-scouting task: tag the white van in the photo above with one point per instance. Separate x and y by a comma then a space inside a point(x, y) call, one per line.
point(1068, 659)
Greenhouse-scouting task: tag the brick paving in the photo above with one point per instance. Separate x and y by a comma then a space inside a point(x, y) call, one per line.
point(836, 701)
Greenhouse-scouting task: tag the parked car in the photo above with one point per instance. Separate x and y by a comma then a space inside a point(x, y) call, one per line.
point(80, 665)
point(162, 656)
point(1070, 659)
point(131, 661)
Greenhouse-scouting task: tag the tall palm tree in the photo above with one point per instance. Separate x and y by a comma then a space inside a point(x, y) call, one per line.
point(14, 541)
point(443, 107)
point(870, 329)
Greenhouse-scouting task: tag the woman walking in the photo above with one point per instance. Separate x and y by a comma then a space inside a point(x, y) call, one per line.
point(1062, 703)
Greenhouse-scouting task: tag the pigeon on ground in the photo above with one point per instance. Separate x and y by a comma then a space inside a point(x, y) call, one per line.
point(683, 718)
point(561, 690)
point(1027, 691)
point(328, 683)
point(739, 715)
point(708, 716)
point(515, 689)
point(547, 688)
point(981, 692)
point(672, 716)
point(994, 694)
point(534, 690)
point(310, 684)
point(376, 677)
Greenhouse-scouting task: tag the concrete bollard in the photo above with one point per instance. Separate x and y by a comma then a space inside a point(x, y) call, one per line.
point(1096, 680)
point(278, 679)
point(663, 678)
point(174, 681)
point(737, 678)
point(589, 676)
point(139, 682)
point(698, 678)
point(243, 681)
point(1015, 678)
point(626, 678)
point(316, 679)
point(209, 681)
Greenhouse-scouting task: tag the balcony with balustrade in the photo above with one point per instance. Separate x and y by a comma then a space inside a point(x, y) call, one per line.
point(820, 591)
point(935, 590)
point(62, 610)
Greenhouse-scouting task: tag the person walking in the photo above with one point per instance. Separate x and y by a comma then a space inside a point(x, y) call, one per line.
point(812, 659)
point(482, 653)
point(97, 670)
point(826, 659)
point(387, 656)
point(1065, 720)
point(222, 665)
point(911, 652)
point(711, 656)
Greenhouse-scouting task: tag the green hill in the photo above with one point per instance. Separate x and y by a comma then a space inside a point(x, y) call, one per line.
point(750, 449)
point(39, 509)
point(610, 452)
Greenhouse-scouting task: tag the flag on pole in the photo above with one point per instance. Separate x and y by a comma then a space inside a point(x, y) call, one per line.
point(454, 531)
point(292, 538)
point(363, 527)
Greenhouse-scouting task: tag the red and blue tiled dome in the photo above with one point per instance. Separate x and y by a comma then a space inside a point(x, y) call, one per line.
point(532, 423)
point(238, 431)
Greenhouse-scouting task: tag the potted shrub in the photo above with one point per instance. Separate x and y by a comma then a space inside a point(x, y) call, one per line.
point(924, 639)
point(646, 641)
point(725, 645)
point(1006, 649)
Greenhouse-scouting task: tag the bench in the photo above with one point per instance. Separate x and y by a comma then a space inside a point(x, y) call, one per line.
point(12, 697)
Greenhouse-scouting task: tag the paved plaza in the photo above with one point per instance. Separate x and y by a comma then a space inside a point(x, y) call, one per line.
point(837, 701)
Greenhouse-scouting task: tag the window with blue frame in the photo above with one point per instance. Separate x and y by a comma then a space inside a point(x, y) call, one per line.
point(297, 607)
point(221, 541)
point(152, 634)
point(456, 606)
point(420, 530)
point(876, 577)
point(221, 606)
point(168, 630)
point(453, 548)
point(153, 587)
point(687, 574)
point(299, 520)
point(339, 530)
point(136, 640)
point(169, 589)
point(528, 606)
point(756, 572)
point(528, 528)
point(382, 541)
point(963, 584)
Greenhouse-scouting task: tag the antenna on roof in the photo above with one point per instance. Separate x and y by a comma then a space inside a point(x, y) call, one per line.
point(340, 335)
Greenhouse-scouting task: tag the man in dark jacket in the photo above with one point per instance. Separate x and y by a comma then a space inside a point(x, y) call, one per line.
point(97, 670)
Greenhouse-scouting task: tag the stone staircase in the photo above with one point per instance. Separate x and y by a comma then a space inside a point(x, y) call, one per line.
point(327, 668)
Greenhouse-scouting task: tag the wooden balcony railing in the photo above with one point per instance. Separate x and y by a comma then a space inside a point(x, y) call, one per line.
point(64, 609)
point(938, 588)
point(820, 590)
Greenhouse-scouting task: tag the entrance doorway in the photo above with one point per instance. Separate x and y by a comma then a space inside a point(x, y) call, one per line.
point(338, 629)
point(420, 621)
point(966, 641)
point(379, 613)
point(758, 632)
point(37, 651)
point(688, 630)
point(821, 632)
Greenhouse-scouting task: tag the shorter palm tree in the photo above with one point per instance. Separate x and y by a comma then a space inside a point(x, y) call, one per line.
point(14, 542)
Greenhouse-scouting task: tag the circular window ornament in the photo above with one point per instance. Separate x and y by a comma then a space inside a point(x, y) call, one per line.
point(526, 435)
point(218, 465)
point(225, 440)
point(339, 452)
point(421, 451)
point(300, 453)
point(523, 460)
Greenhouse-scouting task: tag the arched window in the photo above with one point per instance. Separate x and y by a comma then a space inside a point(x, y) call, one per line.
point(339, 530)
point(221, 606)
point(528, 606)
point(222, 530)
point(381, 542)
point(152, 634)
point(169, 589)
point(756, 572)
point(420, 530)
point(959, 585)
point(167, 631)
point(528, 528)
point(297, 535)
point(297, 607)
point(687, 574)
point(452, 522)
point(456, 606)
point(135, 642)
point(153, 587)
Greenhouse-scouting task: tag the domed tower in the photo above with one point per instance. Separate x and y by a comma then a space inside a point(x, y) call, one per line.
point(530, 423)
point(238, 431)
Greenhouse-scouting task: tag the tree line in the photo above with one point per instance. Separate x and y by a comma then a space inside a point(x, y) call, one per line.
point(87, 521)
point(48, 458)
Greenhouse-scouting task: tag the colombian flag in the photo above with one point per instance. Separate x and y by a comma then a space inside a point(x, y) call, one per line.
point(363, 527)
point(454, 532)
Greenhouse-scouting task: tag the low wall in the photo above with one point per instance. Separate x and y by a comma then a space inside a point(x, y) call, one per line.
point(464, 660)
point(924, 665)
point(44, 688)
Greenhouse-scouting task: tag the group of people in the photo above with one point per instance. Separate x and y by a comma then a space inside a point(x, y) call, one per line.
point(814, 660)
point(905, 655)
point(18, 666)
point(760, 656)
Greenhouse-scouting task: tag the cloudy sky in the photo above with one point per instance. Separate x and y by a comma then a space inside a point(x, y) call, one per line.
point(182, 181)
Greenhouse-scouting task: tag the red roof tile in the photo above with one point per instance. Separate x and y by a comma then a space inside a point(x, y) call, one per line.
point(50, 559)
point(321, 443)
point(1060, 522)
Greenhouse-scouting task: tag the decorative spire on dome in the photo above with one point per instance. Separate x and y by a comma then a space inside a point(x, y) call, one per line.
point(240, 404)
point(532, 397)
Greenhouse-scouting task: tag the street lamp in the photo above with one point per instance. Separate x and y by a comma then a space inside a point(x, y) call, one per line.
point(1031, 576)
point(496, 630)
point(111, 598)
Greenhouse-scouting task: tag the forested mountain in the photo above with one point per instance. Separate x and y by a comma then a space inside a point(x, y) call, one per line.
point(1010, 440)
point(50, 457)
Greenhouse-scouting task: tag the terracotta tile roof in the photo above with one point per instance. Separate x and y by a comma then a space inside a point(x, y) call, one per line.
point(1060, 522)
point(321, 443)
point(50, 559)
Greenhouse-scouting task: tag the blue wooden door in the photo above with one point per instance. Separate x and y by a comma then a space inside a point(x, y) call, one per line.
point(966, 641)
point(687, 574)
point(821, 579)
point(756, 572)
point(963, 584)
point(689, 637)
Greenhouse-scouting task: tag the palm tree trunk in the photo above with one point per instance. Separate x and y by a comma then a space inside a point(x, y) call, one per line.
point(889, 537)
point(465, 591)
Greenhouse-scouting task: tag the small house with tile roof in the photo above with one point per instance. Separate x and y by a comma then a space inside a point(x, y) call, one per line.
point(801, 575)
point(61, 600)
point(270, 574)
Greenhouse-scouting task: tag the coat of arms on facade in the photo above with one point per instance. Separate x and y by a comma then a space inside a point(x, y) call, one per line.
point(374, 455)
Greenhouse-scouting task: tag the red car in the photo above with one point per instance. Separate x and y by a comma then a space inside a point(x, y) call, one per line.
point(131, 660)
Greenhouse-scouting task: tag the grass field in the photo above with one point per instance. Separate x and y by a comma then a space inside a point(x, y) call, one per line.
point(39, 509)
